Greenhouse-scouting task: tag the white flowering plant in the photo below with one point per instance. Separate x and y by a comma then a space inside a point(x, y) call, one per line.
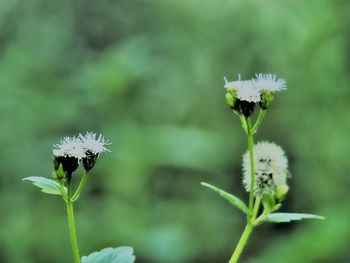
point(265, 165)
point(68, 155)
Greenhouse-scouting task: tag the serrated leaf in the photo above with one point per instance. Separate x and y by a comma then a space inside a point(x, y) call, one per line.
point(288, 217)
point(230, 197)
point(46, 185)
point(111, 255)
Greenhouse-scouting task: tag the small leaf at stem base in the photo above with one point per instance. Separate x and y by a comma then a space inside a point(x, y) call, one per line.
point(46, 185)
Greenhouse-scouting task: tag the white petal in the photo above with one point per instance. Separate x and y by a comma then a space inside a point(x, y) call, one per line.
point(69, 146)
point(94, 145)
point(268, 82)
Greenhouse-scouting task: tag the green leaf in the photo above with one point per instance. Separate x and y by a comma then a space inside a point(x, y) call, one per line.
point(231, 198)
point(47, 185)
point(288, 217)
point(111, 255)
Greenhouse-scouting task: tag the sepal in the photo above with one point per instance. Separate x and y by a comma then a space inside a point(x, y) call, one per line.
point(59, 174)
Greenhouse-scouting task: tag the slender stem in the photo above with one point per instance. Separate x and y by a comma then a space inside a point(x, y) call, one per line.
point(72, 232)
point(81, 186)
point(258, 121)
point(256, 208)
point(63, 192)
point(253, 208)
point(251, 154)
point(244, 123)
point(246, 233)
point(242, 242)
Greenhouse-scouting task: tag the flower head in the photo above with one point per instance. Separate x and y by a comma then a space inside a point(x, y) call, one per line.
point(242, 96)
point(68, 155)
point(245, 89)
point(69, 147)
point(248, 92)
point(93, 146)
point(271, 169)
point(268, 82)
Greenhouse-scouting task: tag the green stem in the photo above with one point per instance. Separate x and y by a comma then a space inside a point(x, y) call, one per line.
point(71, 224)
point(244, 123)
point(258, 121)
point(251, 154)
point(246, 233)
point(63, 192)
point(72, 232)
point(81, 186)
point(253, 208)
point(242, 242)
point(256, 209)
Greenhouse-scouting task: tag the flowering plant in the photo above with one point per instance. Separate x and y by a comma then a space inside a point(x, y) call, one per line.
point(265, 165)
point(67, 156)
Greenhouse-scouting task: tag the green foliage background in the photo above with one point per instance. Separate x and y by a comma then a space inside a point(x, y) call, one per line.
point(148, 75)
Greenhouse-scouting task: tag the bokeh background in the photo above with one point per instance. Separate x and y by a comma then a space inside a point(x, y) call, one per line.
point(149, 76)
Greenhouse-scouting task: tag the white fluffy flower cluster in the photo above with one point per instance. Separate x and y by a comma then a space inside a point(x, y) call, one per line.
point(79, 147)
point(251, 90)
point(72, 150)
point(69, 147)
point(93, 144)
point(271, 169)
point(268, 82)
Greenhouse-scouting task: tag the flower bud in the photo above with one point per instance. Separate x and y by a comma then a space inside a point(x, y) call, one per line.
point(231, 98)
point(59, 174)
point(281, 192)
point(266, 99)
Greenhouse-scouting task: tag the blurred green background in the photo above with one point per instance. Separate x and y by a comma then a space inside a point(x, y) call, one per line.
point(148, 75)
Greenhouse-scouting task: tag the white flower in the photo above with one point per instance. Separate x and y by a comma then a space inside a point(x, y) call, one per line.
point(246, 90)
point(69, 147)
point(271, 168)
point(91, 144)
point(268, 82)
